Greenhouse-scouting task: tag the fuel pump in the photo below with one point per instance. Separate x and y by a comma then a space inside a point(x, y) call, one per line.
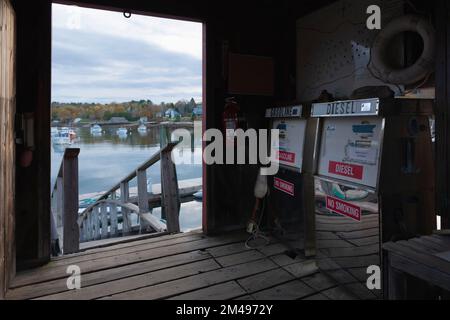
point(374, 183)
point(290, 198)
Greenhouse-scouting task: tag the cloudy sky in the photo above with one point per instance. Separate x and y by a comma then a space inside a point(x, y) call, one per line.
point(100, 56)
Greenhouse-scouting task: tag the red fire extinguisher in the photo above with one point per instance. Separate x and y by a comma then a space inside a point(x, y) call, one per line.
point(230, 119)
point(231, 115)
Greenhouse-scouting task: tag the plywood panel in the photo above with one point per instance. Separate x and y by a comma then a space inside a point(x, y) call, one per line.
point(7, 156)
point(333, 47)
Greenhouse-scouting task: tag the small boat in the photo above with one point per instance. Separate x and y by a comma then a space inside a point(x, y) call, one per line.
point(63, 138)
point(54, 132)
point(142, 128)
point(96, 129)
point(122, 131)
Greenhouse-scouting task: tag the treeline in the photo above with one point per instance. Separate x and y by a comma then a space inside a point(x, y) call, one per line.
point(132, 110)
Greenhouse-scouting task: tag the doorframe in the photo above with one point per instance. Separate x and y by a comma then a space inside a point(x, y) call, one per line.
point(7, 166)
point(205, 82)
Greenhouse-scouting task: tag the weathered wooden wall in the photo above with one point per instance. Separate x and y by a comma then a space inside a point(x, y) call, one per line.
point(7, 112)
point(442, 110)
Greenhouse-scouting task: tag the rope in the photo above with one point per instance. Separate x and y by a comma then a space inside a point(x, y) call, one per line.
point(258, 234)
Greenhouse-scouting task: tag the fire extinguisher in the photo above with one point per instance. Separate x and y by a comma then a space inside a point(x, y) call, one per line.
point(230, 119)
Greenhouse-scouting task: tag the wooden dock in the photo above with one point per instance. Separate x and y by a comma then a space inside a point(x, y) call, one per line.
point(187, 266)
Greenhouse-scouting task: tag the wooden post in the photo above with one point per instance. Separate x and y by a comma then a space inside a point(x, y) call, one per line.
point(97, 212)
point(142, 195)
point(163, 136)
point(90, 223)
point(59, 201)
point(170, 196)
point(104, 215)
point(113, 220)
point(83, 231)
point(71, 204)
point(124, 198)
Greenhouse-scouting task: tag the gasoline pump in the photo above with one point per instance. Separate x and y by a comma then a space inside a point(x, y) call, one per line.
point(290, 201)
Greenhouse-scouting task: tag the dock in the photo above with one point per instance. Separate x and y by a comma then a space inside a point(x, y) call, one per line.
point(187, 189)
point(189, 266)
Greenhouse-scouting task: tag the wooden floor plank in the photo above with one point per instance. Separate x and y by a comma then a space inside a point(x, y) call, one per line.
point(338, 293)
point(320, 282)
point(285, 260)
point(160, 239)
point(90, 279)
point(245, 298)
point(109, 242)
point(352, 251)
point(224, 291)
point(342, 276)
point(90, 291)
point(316, 297)
point(293, 290)
point(362, 292)
point(302, 269)
point(132, 283)
point(118, 250)
point(238, 258)
point(227, 249)
point(52, 273)
point(334, 244)
point(188, 267)
point(358, 234)
point(177, 287)
point(273, 249)
point(265, 280)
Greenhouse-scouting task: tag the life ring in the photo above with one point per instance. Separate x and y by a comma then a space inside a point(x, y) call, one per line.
point(421, 68)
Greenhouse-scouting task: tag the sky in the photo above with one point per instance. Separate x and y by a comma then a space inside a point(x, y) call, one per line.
point(100, 56)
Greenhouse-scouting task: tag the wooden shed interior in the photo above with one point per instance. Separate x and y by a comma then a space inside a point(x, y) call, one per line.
point(265, 28)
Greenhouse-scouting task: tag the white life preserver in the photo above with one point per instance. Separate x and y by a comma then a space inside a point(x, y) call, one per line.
point(421, 68)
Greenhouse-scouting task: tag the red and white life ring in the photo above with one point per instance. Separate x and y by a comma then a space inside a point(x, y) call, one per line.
point(421, 68)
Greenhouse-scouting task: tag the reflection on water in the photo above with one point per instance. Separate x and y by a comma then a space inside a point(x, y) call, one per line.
point(106, 158)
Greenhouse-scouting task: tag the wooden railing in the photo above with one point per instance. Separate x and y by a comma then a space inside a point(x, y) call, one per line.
point(101, 220)
point(65, 203)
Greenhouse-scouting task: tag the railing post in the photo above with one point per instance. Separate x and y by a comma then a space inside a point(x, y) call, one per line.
point(71, 238)
point(124, 198)
point(113, 220)
point(169, 193)
point(90, 224)
point(97, 223)
point(142, 195)
point(104, 219)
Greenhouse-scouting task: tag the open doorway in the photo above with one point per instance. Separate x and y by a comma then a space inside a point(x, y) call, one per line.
point(122, 86)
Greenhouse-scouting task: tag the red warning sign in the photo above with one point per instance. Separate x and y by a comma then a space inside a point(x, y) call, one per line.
point(284, 186)
point(288, 157)
point(346, 170)
point(344, 208)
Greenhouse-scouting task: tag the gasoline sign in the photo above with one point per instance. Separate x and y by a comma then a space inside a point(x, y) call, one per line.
point(292, 140)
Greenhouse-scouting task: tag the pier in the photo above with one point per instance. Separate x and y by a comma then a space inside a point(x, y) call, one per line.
point(187, 266)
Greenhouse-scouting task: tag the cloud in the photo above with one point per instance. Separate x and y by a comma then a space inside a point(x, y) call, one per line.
point(99, 56)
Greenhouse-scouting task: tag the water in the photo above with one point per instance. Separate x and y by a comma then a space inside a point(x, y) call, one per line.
point(105, 160)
